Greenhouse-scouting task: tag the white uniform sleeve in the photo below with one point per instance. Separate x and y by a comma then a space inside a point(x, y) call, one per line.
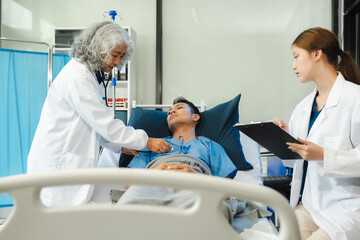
point(85, 98)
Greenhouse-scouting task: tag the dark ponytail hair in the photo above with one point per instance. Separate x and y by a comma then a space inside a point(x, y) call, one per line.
point(325, 40)
point(348, 68)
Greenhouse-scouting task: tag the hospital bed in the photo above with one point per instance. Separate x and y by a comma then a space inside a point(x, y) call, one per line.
point(31, 220)
point(109, 221)
point(102, 220)
point(250, 148)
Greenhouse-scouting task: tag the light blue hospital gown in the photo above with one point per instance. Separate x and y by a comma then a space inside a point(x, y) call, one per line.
point(205, 149)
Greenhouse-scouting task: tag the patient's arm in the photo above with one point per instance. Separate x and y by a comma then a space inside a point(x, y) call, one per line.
point(179, 168)
point(128, 151)
point(173, 167)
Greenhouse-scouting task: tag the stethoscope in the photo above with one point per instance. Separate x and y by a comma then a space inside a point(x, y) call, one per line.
point(102, 78)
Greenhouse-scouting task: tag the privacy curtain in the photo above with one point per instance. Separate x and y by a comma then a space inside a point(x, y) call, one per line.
point(23, 89)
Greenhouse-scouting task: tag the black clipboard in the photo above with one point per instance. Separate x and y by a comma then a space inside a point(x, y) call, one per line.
point(270, 136)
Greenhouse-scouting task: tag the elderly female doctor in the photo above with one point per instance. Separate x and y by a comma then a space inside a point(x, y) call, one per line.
point(326, 186)
point(74, 121)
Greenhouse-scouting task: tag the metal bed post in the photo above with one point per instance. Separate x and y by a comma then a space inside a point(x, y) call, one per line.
point(60, 44)
point(50, 56)
point(201, 106)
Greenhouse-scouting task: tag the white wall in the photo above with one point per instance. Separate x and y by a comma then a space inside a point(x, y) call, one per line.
point(212, 49)
point(35, 20)
point(215, 49)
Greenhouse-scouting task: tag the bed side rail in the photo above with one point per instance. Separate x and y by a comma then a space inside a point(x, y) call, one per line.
point(202, 221)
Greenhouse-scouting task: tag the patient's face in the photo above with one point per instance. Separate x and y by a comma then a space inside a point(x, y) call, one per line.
point(180, 113)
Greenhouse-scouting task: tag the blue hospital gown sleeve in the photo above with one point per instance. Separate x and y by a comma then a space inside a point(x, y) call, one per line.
point(220, 163)
point(141, 161)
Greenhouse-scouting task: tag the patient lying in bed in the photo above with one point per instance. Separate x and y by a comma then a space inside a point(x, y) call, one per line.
point(189, 153)
point(183, 118)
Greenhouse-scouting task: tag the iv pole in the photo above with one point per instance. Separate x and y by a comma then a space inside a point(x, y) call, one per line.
point(112, 14)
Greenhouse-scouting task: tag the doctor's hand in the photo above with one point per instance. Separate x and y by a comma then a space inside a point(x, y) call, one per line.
point(282, 124)
point(307, 150)
point(158, 145)
point(128, 151)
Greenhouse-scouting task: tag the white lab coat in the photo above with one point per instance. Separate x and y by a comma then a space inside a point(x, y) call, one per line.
point(332, 187)
point(73, 123)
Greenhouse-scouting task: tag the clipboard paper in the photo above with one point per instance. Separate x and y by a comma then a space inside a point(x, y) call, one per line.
point(271, 137)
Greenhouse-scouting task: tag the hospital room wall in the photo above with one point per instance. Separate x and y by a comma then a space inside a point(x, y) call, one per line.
point(213, 53)
point(35, 20)
point(212, 50)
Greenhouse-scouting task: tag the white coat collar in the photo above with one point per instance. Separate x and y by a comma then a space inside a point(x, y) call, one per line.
point(332, 101)
point(335, 93)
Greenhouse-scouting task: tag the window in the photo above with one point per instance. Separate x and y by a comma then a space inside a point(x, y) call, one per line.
point(346, 23)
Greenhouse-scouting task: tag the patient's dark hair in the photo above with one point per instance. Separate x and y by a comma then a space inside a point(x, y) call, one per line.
point(194, 109)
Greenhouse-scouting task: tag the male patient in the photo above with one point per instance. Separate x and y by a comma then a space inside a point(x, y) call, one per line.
point(189, 152)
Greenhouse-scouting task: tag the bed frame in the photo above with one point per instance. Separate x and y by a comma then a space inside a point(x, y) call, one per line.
point(33, 221)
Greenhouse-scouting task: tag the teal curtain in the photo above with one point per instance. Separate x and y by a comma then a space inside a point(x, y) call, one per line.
point(23, 89)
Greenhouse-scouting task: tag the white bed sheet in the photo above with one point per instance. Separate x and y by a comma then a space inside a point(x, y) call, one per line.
point(264, 229)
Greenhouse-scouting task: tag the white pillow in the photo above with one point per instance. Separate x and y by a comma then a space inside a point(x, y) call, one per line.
point(251, 151)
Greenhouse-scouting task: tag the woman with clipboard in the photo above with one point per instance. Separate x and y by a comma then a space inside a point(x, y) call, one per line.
point(325, 188)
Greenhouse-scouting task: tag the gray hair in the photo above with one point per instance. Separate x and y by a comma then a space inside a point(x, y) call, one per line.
point(94, 44)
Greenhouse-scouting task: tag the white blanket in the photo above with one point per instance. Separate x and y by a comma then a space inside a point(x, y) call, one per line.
point(246, 213)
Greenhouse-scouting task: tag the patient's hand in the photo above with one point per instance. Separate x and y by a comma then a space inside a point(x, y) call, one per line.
point(169, 166)
point(281, 124)
point(158, 145)
point(179, 168)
